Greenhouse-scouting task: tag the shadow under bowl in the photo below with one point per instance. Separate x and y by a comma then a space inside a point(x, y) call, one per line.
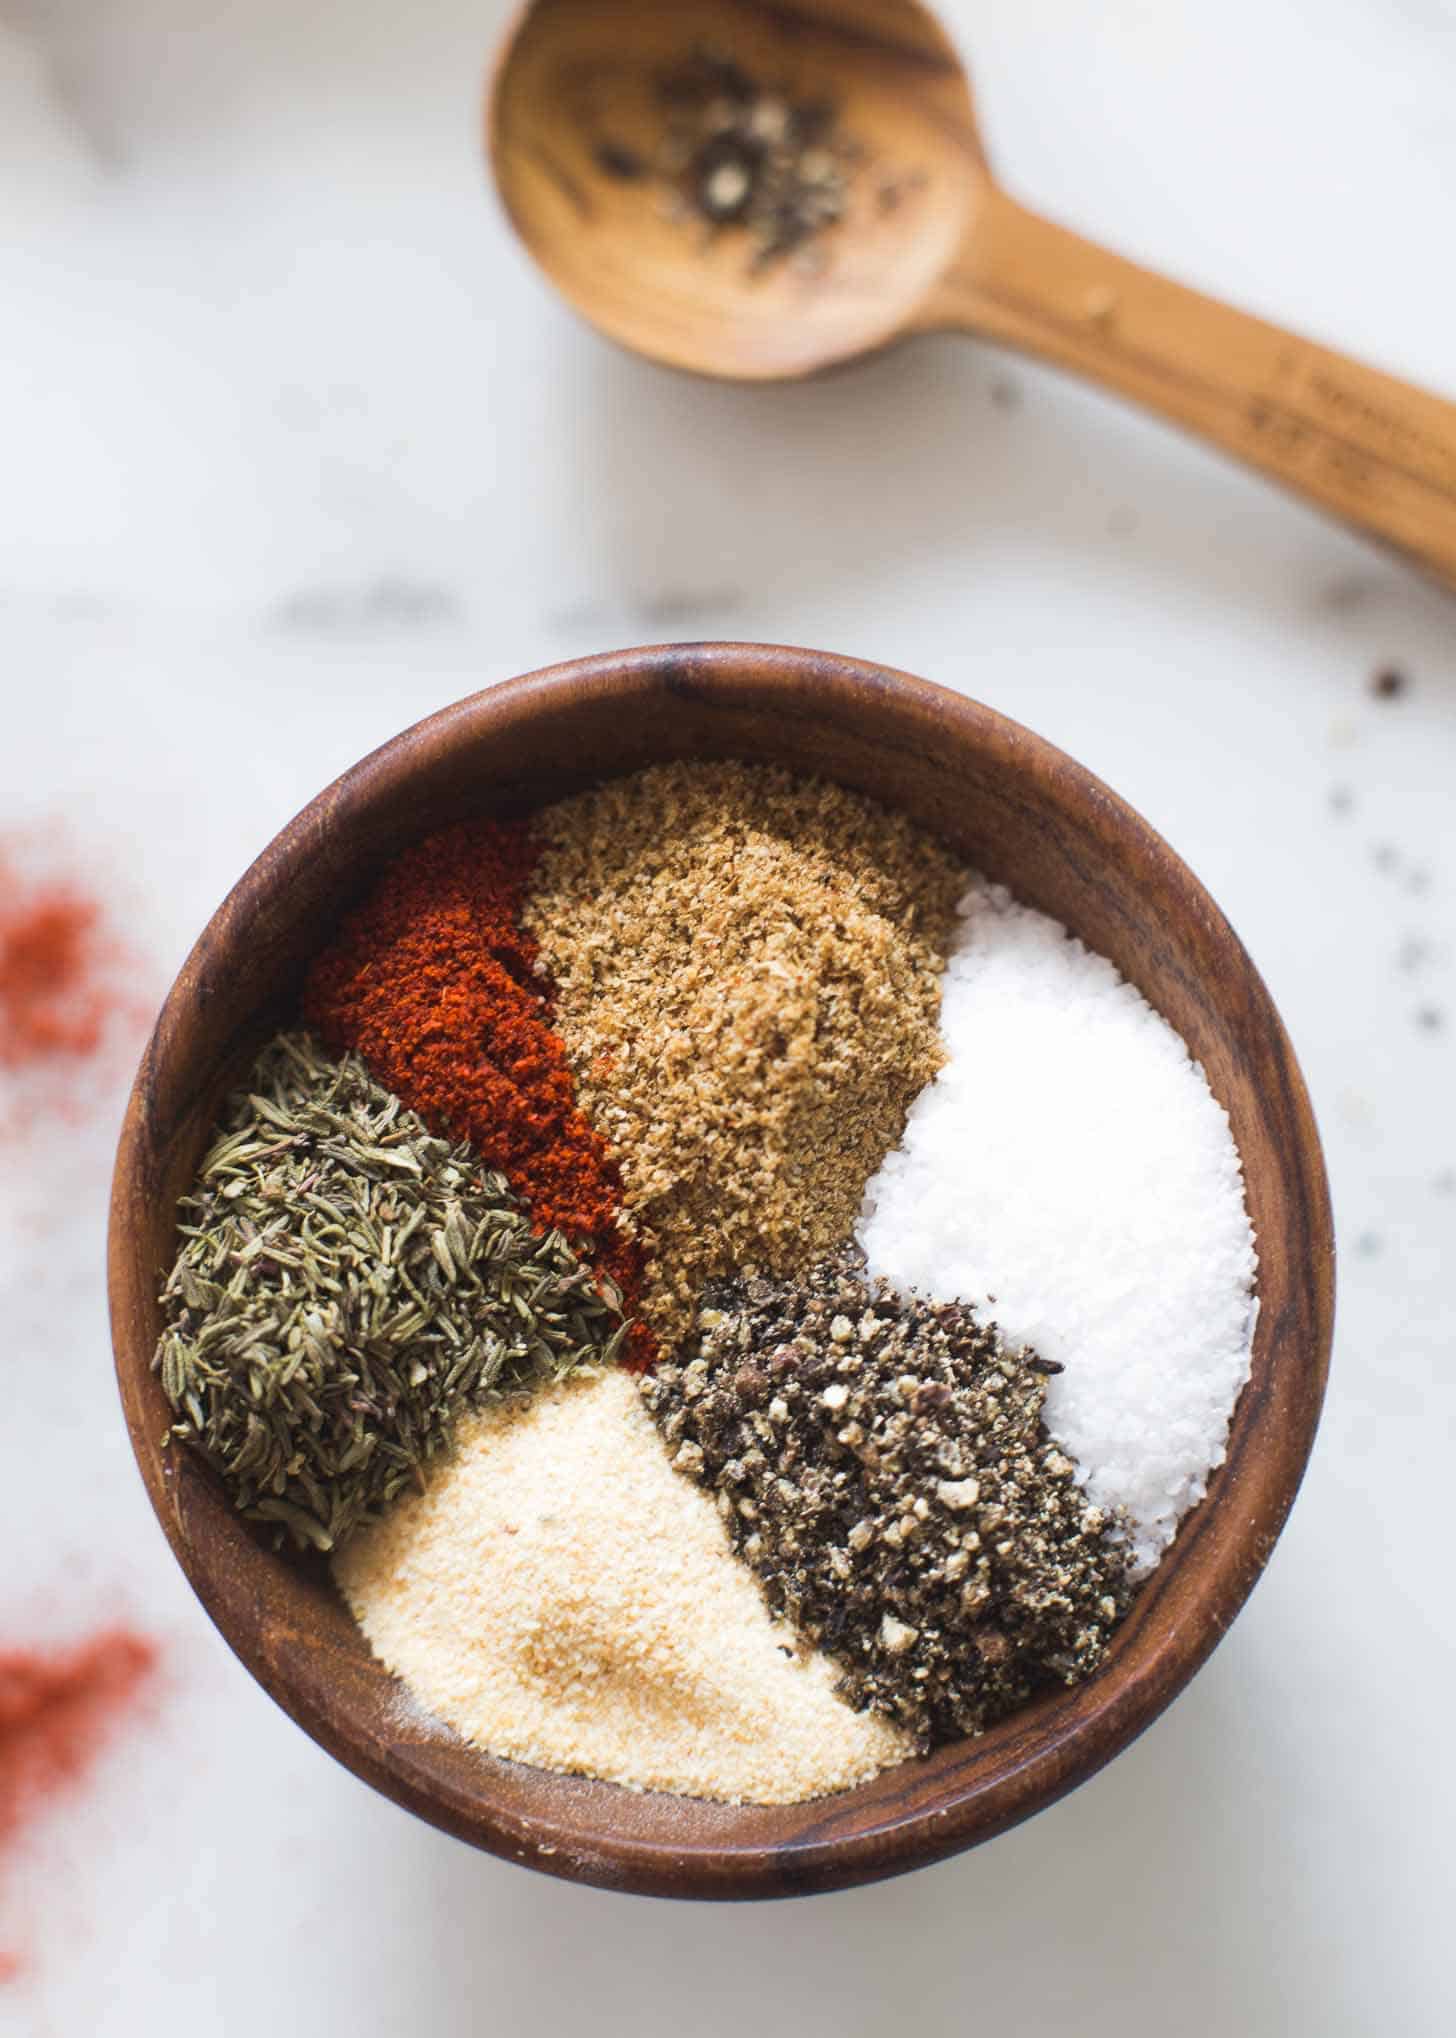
point(1020, 811)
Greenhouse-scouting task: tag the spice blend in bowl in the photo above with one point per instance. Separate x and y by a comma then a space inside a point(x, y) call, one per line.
point(658, 1050)
point(687, 1015)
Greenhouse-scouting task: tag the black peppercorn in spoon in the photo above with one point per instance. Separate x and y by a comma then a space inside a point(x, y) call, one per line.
point(913, 235)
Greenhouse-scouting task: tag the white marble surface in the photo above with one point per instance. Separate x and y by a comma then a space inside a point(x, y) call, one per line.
point(293, 448)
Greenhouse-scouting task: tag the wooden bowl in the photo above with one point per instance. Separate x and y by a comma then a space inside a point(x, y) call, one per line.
point(1023, 813)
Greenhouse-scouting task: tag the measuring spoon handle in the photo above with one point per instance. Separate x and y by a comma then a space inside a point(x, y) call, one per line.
point(1366, 446)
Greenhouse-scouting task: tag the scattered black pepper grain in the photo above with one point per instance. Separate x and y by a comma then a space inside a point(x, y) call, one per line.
point(1388, 683)
point(883, 1466)
point(739, 153)
point(1349, 594)
point(1430, 1018)
point(615, 159)
point(893, 191)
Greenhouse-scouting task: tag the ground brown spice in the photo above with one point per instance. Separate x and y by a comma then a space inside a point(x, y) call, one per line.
point(747, 971)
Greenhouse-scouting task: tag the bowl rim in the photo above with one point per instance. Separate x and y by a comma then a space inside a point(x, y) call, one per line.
point(1042, 1766)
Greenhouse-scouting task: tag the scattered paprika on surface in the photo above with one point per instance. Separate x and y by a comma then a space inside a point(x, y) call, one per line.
point(51, 1002)
point(56, 1712)
point(433, 981)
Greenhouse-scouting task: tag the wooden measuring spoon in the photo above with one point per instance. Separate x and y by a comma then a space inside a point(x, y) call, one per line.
point(930, 243)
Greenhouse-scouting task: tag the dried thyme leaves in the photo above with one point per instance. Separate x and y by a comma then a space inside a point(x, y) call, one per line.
point(882, 1465)
point(347, 1284)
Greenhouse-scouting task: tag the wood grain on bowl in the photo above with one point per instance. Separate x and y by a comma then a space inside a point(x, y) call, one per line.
point(1024, 813)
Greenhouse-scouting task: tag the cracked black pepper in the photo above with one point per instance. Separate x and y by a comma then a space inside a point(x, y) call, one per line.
point(882, 1464)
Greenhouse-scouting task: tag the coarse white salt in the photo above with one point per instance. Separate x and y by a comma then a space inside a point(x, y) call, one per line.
point(560, 1595)
point(1070, 1174)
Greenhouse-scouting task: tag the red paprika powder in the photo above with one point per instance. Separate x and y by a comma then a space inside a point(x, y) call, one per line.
point(56, 1712)
point(433, 982)
point(51, 1001)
